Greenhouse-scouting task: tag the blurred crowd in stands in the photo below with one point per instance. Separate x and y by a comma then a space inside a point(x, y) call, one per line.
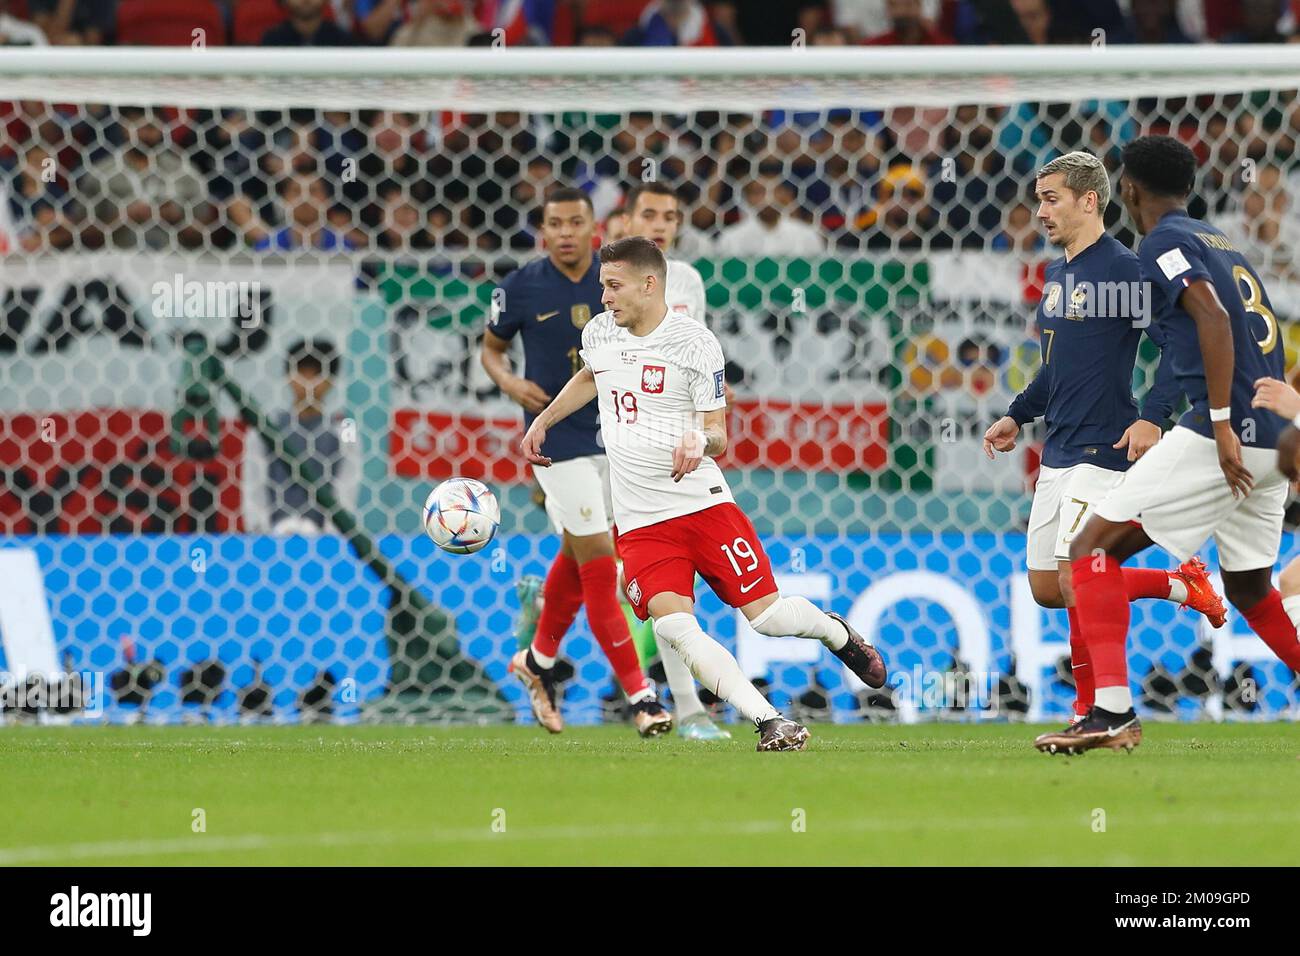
point(777, 183)
point(85, 177)
point(643, 22)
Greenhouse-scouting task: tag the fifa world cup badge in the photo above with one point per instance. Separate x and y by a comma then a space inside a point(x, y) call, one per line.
point(1053, 298)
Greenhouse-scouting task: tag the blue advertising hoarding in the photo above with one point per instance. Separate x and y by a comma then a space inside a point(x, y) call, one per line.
point(294, 609)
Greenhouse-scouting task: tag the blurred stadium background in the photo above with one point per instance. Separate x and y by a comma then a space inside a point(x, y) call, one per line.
point(177, 229)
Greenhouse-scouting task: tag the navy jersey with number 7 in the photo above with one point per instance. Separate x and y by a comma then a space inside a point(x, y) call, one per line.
point(1090, 334)
point(1179, 251)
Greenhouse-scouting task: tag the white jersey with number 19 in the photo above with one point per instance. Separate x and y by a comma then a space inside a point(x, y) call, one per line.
point(651, 390)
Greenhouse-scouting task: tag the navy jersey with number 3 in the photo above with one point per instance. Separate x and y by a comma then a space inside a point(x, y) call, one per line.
point(1179, 251)
point(541, 304)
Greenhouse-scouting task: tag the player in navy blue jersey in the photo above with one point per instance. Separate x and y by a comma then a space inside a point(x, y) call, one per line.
point(547, 303)
point(1214, 474)
point(1090, 321)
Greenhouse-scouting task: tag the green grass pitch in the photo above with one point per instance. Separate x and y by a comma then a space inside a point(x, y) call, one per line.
point(861, 795)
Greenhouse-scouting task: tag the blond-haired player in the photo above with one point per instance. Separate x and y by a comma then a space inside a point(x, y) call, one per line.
point(1083, 391)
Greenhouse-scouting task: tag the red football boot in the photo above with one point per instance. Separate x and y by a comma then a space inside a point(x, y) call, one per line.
point(1201, 595)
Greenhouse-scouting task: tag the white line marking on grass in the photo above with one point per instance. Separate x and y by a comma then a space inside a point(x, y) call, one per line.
point(202, 845)
point(10, 856)
point(261, 841)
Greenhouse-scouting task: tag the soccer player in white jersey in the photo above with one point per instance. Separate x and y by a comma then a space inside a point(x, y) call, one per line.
point(654, 211)
point(658, 381)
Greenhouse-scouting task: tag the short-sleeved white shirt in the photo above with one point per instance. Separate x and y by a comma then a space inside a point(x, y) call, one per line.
point(651, 391)
point(684, 290)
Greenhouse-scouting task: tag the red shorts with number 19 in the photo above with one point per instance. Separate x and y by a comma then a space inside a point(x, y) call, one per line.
point(718, 542)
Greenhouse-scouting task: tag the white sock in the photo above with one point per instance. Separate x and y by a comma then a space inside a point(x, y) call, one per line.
point(798, 617)
point(686, 701)
point(645, 693)
point(713, 665)
point(1292, 607)
point(1177, 590)
point(543, 660)
point(1117, 700)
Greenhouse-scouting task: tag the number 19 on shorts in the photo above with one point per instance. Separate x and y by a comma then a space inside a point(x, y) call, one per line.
point(740, 548)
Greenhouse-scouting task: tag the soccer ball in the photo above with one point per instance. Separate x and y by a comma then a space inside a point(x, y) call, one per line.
point(461, 515)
